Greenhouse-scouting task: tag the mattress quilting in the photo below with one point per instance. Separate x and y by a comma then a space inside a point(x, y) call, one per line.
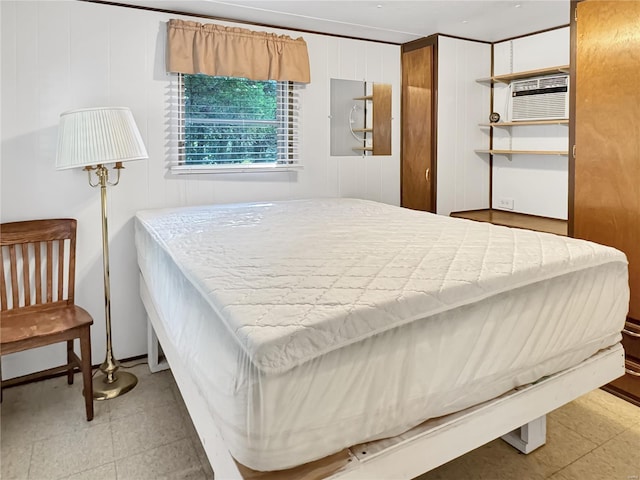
point(335, 254)
point(294, 280)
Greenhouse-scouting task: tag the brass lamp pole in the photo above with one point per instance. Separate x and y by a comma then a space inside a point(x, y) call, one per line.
point(108, 384)
point(90, 138)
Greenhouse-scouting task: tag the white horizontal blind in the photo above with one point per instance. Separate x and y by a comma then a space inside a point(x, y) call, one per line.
point(222, 123)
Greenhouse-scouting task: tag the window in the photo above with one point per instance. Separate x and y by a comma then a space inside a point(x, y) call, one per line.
point(229, 123)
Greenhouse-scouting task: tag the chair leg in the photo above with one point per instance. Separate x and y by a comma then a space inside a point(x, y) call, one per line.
point(85, 352)
point(70, 365)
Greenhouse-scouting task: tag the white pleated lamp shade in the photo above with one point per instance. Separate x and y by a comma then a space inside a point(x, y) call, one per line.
point(92, 136)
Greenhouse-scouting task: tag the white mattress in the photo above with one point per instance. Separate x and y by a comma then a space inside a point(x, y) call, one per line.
point(311, 326)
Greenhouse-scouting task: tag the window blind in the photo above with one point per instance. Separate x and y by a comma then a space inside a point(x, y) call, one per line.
point(226, 123)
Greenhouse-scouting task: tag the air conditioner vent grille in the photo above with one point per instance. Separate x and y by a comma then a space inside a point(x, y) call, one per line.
point(543, 98)
point(531, 107)
point(525, 85)
point(550, 82)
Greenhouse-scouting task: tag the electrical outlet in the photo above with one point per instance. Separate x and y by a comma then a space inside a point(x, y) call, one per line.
point(505, 203)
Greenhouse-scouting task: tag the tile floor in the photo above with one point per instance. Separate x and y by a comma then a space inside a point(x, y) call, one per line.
point(147, 434)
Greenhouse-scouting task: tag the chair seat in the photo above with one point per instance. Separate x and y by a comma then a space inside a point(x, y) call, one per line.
point(23, 324)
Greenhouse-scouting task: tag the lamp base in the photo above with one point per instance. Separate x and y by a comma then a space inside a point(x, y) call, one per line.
point(123, 382)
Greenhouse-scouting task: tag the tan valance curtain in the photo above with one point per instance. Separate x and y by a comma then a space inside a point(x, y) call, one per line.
point(235, 52)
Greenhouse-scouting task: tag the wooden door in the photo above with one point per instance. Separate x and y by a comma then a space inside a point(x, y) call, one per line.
point(418, 93)
point(607, 131)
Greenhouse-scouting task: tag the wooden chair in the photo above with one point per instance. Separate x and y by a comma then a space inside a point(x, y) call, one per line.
point(37, 297)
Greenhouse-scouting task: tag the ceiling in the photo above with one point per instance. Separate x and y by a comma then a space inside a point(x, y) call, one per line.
point(394, 21)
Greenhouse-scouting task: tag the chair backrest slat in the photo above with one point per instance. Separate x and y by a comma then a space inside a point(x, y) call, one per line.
point(60, 269)
point(14, 273)
point(49, 271)
point(3, 283)
point(31, 275)
point(71, 292)
point(37, 246)
point(25, 274)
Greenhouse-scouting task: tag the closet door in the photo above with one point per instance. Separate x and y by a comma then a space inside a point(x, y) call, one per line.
point(607, 139)
point(418, 139)
point(607, 123)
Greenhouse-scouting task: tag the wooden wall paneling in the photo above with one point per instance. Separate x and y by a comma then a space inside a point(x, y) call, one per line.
point(418, 135)
point(462, 175)
point(607, 126)
point(390, 167)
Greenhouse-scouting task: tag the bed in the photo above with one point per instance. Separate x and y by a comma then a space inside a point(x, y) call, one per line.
point(340, 338)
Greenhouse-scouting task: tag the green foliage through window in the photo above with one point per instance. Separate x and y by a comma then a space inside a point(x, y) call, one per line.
point(234, 120)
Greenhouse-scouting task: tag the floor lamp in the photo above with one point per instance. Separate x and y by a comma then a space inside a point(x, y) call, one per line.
point(90, 138)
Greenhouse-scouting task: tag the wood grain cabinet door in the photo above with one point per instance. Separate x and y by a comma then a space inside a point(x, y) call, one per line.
point(607, 130)
point(417, 171)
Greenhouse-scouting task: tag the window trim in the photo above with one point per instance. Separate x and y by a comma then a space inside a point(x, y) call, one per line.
point(248, 168)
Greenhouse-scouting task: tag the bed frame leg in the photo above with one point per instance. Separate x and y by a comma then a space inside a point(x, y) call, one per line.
point(155, 357)
point(528, 437)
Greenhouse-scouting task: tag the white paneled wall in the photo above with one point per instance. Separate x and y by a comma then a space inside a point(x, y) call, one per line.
point(537, 184)
point(463, 175)
point(58, 56)
point(532, 52)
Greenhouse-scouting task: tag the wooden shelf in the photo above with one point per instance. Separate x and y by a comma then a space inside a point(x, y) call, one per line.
point(561, 121)
point(515, 219)
point(509, 77)
point(381, 129)
point(509, 218)
point(524, 152)
point(530, 73)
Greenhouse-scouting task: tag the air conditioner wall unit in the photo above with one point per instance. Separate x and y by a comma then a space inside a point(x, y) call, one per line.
point(541, 98)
